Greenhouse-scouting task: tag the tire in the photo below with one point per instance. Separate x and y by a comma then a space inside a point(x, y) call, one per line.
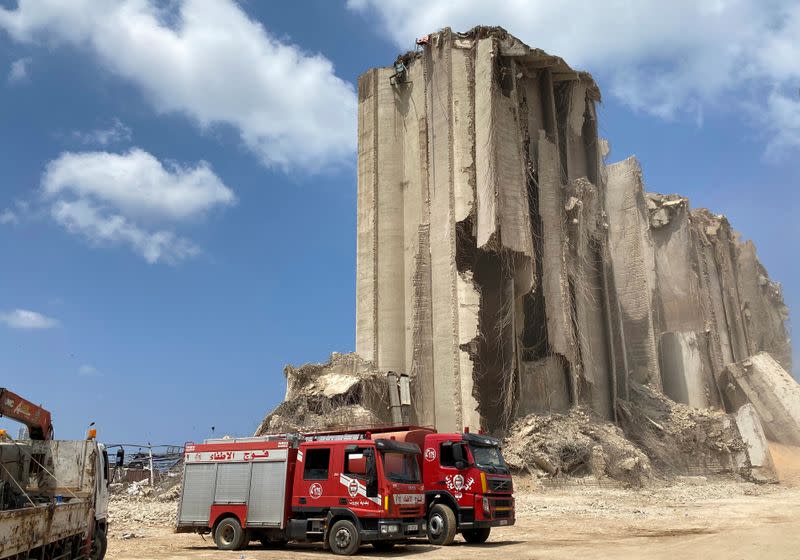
point(229, 534)
point(99, 544)
point(383, 546)
point(344, 538)
point(476, 536)
point(441, 525)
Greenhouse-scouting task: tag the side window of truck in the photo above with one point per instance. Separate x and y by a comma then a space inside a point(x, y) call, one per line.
point(316, 465)
point(446, 455)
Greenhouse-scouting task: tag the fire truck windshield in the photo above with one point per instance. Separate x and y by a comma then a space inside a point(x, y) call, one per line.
point(401, 467)
point(488, 458)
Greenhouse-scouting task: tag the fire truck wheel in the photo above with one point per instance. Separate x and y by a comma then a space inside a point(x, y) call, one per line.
point(441, 525)
point(343, 538)
point(229, 534)
point(476, 536)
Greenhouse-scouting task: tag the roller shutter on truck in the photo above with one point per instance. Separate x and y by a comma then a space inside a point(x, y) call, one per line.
point(238, 478)
point(267, 495)
point(199, 482)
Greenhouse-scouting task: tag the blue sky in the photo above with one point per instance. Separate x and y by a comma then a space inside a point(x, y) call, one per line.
point(177, 203)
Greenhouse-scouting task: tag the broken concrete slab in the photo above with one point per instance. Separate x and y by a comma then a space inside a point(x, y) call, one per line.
point(757, 461)
point(762, 381)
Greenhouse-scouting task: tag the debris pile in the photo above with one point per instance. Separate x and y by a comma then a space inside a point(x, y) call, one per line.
point(345, 391)
point(134, 507)
point(684, 440)
point(574, 444)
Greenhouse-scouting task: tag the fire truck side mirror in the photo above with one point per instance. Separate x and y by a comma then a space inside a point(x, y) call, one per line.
point(458, 454)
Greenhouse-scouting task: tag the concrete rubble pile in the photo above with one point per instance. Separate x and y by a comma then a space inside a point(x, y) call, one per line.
point(136, 506)
point(346, 391)
point(681, 439)
point(509, 271)
point(574, 445)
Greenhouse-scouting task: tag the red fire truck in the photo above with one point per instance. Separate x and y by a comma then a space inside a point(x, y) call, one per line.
point(468, 487)
point(343, 490)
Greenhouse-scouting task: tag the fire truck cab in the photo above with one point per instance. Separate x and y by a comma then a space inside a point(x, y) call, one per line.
point(343, 490)
point(468, 487)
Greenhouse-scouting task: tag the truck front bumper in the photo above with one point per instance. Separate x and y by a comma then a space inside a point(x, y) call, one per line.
point(397, 529)
point(483, 523)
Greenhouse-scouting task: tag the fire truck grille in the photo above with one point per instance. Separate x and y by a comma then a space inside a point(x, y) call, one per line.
point(410, 510)
point(500, 484)
point(502, 508)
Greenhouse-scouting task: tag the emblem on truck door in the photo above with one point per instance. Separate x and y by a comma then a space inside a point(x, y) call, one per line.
point(430, 454)
point(457, 484)
point(353, 488)
point(315, 491)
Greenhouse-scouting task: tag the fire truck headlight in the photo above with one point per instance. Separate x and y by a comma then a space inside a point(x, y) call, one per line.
point(486, 509)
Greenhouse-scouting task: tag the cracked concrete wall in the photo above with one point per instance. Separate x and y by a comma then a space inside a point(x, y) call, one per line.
point(464, 245)
point(633, 265)
point(508, 270)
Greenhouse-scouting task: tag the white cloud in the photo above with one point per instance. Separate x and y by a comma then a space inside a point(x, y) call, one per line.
point(26, 319)
point(19, 70)
point(132, 199)
point(137, 183)
point(672, 59)
point(782, 121)
point(117, 132)
point(101, 227)
point(8, 216)
point(209, 61)
point(88, 370)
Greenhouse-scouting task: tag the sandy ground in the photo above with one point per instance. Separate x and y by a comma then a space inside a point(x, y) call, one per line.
point(695, 518)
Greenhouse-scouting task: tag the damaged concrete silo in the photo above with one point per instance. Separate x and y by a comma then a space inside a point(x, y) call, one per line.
point(509, 271)
point(481, 231)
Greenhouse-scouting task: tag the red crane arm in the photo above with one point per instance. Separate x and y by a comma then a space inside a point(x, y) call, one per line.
point(36, 418)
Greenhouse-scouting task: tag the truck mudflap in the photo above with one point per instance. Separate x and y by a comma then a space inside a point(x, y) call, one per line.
point(396, 529)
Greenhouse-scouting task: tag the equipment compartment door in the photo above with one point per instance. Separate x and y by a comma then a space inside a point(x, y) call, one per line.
point(233, 481)
point(267, 494)
point(199, 481)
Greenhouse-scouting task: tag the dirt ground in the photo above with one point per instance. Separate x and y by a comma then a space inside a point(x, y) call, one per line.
point(694, 518)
